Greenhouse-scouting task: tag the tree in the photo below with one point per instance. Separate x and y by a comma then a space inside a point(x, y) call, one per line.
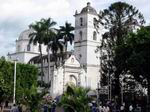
point(118, 20)
point(38, 37)
point(133, 56)
point(6, 80)
point(75, 99)
point(51, 39)
point(49, 36)
point(26, 81)
point(66, 34)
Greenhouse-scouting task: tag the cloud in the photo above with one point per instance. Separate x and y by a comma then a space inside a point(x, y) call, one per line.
point(30, 8)
point(16, 15)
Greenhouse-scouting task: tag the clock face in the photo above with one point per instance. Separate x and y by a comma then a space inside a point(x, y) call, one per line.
point(72, 60)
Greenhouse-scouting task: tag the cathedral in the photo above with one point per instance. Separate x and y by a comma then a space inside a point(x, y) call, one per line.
point(81, 66)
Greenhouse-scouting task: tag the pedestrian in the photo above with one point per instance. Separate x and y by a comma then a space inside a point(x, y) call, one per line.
point(122, 108)
point(94, 106)
point(137, 109)
point(14, 108)
point(45, 108)
point(100, 108)
point(90, 105)
point(53, 106)
point(130, 108)
point(94, 109)
point(107, 109)
point(20, 107)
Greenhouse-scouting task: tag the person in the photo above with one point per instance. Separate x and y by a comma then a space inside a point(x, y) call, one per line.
point(130, 108)
point(14, 108)
point(20, 107)
point(100, 108)
point(122, 108)
point(94, 109)
point(45, 108)
point(94, 106)
point(6, 104)
point(137, 109)
point(107, 109)
point(53, 106)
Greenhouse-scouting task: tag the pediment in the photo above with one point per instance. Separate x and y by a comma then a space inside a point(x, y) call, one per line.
point(72, 61)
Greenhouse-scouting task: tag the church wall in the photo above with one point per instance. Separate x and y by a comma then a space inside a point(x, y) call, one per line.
point(77, 20)
point(22, 57)
point(57, 88)
point(92, 57)
point(71, 77)
point(85, 49)
point(28, 56)
point(35, 48)
point(16, 56)
point(79, 46)
point(21, 45)
point(83, 78)
point(81, 54)
point(93, 76)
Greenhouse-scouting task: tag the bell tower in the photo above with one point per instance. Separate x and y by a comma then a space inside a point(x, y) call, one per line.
point(86, 41)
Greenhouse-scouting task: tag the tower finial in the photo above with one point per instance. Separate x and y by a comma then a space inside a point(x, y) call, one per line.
point(88, 4)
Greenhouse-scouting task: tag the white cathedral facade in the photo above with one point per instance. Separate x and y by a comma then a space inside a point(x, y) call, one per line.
point(81, 67)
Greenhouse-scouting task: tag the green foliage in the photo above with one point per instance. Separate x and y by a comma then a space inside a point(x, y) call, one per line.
point(133, 56)
point(6, 79)
point(75, 99)
point(119, 19)
point(51, 39)
point(38, 36)
point(45, 33)
point(26, 81)
point(134, 53)
point(66, 34)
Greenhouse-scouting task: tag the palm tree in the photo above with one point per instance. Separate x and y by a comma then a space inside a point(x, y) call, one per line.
point(75, 99)
point(37, 37)
point(66, 33)
point(51, 40)
point(49, 35)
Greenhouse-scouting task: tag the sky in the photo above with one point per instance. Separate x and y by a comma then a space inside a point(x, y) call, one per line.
point(17, 15)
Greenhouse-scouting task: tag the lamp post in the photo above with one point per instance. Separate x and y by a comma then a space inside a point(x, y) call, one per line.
point(14, 94)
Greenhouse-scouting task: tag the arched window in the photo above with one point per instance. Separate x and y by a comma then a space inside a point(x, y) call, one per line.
point(94, 35)
point(73, 80)
point(28, 47)
point(94, 22)
point(80, 35)
point(81, 21)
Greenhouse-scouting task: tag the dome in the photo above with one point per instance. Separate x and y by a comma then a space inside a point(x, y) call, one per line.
point(89, 9)
point(25, 34)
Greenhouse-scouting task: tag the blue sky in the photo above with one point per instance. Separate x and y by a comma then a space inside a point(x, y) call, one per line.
point(16, 15)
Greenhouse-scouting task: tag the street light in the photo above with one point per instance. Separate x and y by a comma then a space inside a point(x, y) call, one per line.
point(14, 95)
